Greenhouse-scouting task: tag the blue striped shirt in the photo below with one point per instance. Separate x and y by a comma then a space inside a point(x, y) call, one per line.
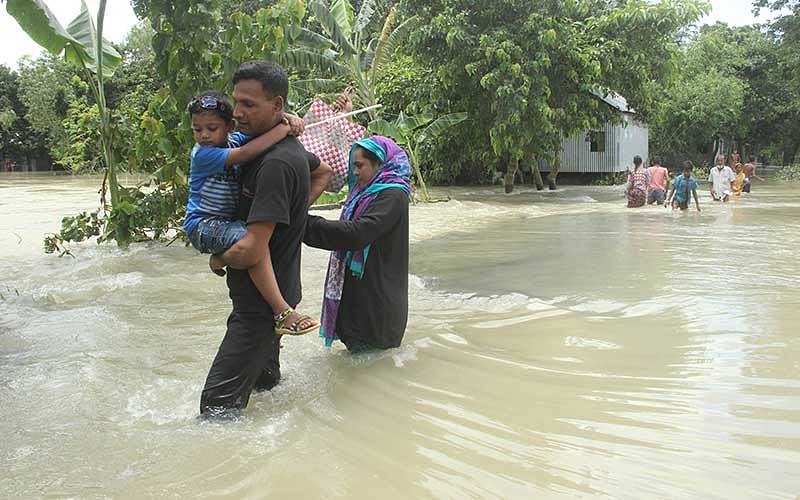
point(213, 189)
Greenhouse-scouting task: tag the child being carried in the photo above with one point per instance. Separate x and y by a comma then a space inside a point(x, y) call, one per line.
point(214, 188)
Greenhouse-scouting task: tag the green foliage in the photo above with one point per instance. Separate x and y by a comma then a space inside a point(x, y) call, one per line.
point(413, 131)
point(331, 198)
point(46, 86)
point(77, 228)
point(748, 78)
point(18, 138)
point(697, 111)
point(191, 55)
point(404, 85)
point(530, 72)
point(81, 151)
point(84, 47)
point(149, 212)
point(7, 116)
point(610, 179)
point(346, 48)
point(790, 173)
point(728, 88)
point(785, 91)
point(59, 106)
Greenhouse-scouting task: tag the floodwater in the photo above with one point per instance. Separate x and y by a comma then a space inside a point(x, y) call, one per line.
point(558, 346)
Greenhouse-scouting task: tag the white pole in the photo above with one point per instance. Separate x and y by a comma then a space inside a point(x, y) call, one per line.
point(345, 115)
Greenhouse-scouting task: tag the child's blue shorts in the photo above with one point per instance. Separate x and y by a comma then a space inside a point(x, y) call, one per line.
point(217, 234)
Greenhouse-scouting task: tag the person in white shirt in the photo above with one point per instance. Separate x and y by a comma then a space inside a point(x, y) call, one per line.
point(720, 178)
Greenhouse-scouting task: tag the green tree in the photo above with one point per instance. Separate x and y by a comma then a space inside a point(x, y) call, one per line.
point(190, 55)
point(733, 85)
point(705, 102)
point(786, 124)
point(18, 138)
point(45, 89)
point(530, 72)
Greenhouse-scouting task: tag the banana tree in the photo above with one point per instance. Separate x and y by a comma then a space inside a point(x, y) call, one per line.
point(81, 44)
point(412, 131)
point(345, 49)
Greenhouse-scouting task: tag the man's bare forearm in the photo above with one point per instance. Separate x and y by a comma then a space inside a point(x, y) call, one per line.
point(238, 257)
point(319, 180)
point(252, 248)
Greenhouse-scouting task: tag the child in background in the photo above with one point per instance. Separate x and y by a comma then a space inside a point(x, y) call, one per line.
point(659, 180)
point(750, 173)
point(214, 189)
point(738, 182)
point(681, 187)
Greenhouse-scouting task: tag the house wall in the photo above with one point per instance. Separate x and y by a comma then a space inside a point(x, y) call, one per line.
point(622, 143)
point(634, 141)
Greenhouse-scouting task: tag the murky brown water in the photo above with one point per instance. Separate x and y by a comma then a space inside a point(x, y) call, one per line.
point(559, 345)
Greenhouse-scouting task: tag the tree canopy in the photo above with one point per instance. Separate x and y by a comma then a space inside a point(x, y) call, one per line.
point(532, 72)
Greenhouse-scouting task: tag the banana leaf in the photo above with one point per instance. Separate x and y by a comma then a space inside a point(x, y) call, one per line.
point(77, 42)
point(301, 58)
point(342, 11)
point(440, 124)
point(388, 42)
point(382, 127)
point(338, 33)
point(364, 15)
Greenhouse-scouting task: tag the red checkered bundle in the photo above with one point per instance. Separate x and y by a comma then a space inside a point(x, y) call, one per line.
point(331, 141)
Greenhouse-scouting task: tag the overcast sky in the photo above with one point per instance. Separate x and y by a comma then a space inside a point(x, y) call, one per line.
point(16, 43)
point(120, 19)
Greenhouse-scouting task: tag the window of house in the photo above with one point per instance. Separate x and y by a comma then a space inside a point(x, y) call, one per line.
point(597, 141)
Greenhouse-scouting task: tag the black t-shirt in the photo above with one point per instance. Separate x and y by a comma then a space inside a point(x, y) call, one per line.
point(275, 189)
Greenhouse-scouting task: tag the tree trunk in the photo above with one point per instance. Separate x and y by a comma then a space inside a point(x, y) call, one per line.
point(551, 177)
point(537, 176)
point(512, 166)
point(790, 153)
point(418, 174)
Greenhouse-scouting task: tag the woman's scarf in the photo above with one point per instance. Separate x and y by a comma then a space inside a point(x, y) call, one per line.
point(394, 173)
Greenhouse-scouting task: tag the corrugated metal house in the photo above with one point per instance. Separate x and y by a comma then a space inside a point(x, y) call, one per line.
point(610, 149)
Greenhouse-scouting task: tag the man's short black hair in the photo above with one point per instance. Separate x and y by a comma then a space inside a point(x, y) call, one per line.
point(688, 166)
point(214, 102)
point(656, 161)
point(272, 76)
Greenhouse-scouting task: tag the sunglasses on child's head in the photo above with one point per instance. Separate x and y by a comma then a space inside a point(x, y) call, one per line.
point(207, 102)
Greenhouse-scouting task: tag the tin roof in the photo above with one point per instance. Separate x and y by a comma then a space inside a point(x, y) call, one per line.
point(614, 100)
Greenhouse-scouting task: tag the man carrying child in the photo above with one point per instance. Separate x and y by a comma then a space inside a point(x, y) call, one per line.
point(273, 202)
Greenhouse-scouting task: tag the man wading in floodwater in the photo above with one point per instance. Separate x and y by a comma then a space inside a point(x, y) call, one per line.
point(274, 203)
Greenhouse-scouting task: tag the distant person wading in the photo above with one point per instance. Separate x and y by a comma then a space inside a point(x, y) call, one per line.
point(636, 189)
